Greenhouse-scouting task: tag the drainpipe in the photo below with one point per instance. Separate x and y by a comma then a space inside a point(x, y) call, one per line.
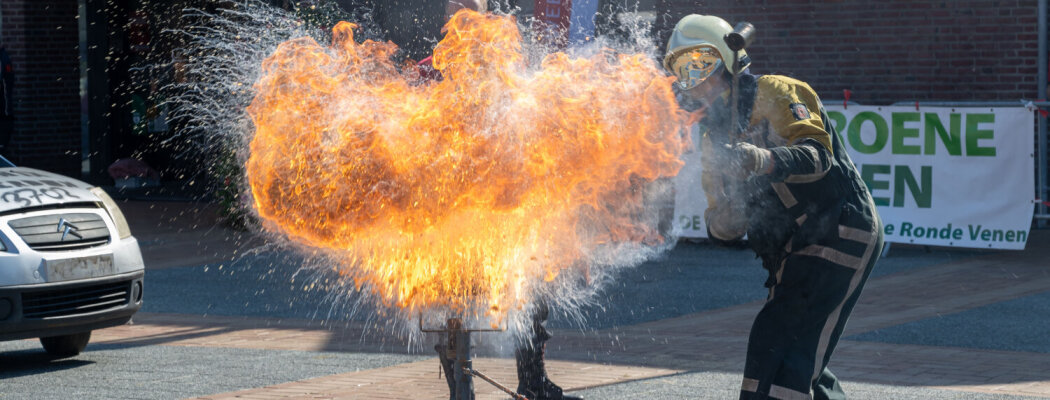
point(1042, 81)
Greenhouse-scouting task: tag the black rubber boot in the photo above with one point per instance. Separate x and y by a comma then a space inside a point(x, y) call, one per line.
point(533, 382)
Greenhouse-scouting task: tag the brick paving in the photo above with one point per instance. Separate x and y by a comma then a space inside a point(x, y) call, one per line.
point(420, 377)
point(235, 332)
point(422, 381)
point(707, 341)
point(962, 369)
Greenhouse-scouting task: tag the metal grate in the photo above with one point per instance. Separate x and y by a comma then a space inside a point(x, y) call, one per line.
point(57, 232)
point(75, 301)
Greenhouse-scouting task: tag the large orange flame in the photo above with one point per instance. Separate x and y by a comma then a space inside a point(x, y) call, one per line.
point(462, 193)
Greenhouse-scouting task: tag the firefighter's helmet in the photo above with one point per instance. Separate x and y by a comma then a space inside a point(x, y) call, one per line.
point(697, 49)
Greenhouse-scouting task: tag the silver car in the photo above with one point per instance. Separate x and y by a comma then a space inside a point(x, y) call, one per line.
point(68, 262)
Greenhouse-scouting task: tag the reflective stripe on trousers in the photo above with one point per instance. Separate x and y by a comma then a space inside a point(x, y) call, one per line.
point(795, 333)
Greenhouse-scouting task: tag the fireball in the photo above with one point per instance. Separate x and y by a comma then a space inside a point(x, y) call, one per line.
point(468, 193)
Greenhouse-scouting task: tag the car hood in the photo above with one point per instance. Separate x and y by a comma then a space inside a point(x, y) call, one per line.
point(22, 187)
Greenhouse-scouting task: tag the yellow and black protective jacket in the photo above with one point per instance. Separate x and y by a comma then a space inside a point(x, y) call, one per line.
point(813, 188)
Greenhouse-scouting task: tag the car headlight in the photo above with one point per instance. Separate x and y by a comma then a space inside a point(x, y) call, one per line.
point(114, 212)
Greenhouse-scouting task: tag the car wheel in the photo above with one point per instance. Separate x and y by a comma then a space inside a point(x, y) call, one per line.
point(66, 345)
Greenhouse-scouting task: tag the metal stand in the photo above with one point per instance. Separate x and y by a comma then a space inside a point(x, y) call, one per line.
point(456, 362)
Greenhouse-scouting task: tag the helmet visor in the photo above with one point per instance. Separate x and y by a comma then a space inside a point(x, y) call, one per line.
point(695, 66)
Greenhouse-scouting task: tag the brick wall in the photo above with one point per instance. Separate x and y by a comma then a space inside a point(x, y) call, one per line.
point(883, 51)
point(890, 50)
point(42, 38)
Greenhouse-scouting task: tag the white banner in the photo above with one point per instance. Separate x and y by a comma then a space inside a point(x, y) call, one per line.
point(939, 175)
point(689, 199)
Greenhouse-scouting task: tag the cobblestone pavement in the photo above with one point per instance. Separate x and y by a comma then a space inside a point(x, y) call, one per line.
point(690, 355)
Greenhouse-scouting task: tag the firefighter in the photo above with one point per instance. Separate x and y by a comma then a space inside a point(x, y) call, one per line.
point(786, 181)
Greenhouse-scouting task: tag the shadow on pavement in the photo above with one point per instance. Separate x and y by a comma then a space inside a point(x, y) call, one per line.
point(14, 364)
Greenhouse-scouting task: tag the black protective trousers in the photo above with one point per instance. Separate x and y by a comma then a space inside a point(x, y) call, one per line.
point(813, 292)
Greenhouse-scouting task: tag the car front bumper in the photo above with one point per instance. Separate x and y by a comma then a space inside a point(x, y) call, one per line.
point(61, 308)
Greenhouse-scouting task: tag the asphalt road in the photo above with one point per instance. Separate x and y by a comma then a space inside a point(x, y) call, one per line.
point(165, 372)
point(690, 278)
point(720, 386)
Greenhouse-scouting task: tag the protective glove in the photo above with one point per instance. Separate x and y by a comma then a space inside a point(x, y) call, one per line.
point(747, 159)
point(727, 221)
point(708, 158)
point(714, 186)
point(726, 214)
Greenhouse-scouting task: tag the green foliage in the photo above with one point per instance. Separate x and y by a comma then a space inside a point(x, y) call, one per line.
point(228, 175)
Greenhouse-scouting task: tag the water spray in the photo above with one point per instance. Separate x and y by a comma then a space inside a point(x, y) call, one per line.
point(345, 157)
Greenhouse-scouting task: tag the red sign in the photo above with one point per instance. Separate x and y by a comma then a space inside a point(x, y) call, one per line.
point(552, 18)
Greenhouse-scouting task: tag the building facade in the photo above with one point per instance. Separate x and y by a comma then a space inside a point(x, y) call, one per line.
point(42, 38)
point(79, 83)
point(888, 51)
